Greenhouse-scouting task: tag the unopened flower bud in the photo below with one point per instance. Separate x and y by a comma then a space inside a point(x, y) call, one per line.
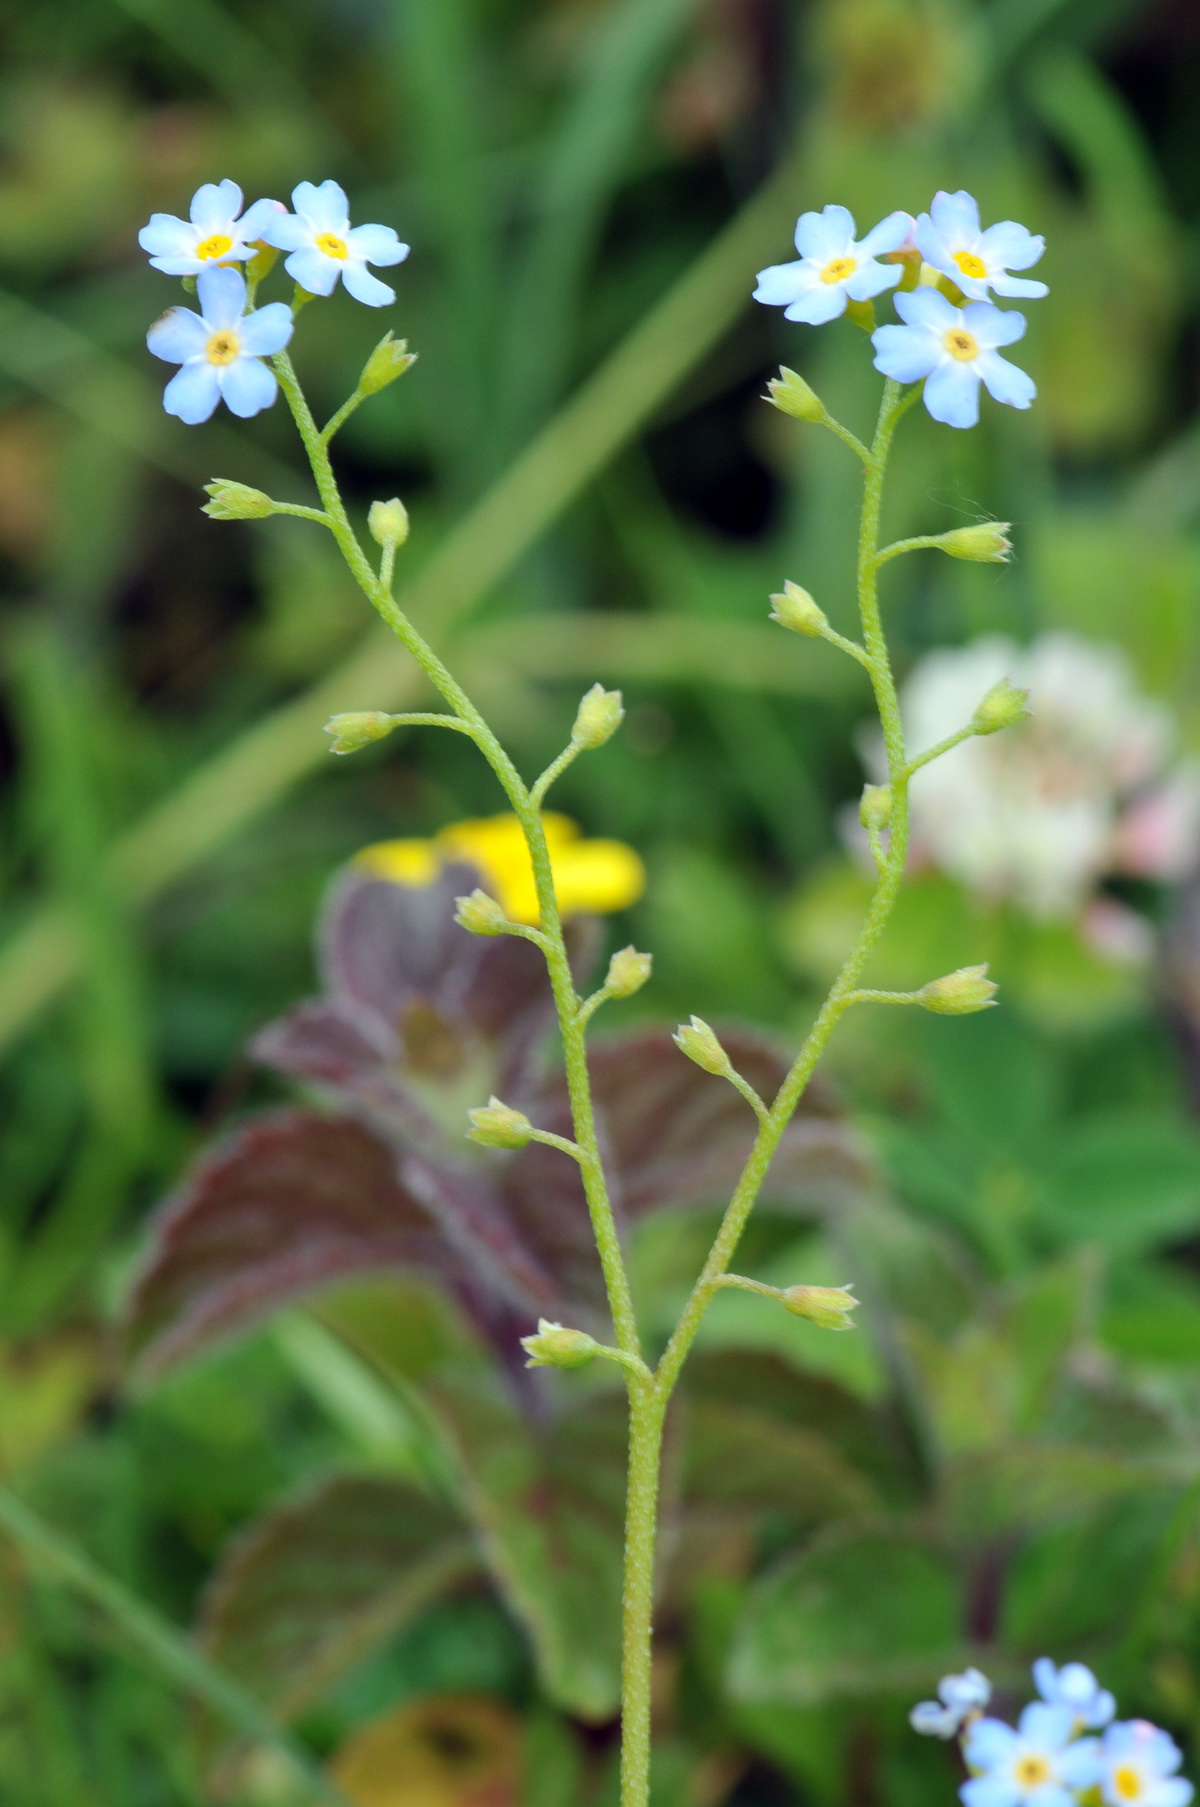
point(627, 972)
point(791, 395)
point(700, 1044)
point(350, 732)
point(599, 716)
point(555, 1346)
point(875, 809)
point(236, 502)
point(1002, 707)
point(960, 993)
point(265, 257)
point(795, 608)
point(828, 1306)
point(388, 522)
point(986, 541)
point(390, 359)
point(480, 914)
point(497, 1125)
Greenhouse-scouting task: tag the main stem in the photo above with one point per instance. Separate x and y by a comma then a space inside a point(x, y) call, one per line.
point(647, 1413)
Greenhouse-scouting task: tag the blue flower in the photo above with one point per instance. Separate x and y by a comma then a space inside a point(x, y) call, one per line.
point(959, 1697)
point(1035, 1766)
point(954, 349)
point(949, 238)
point(213, 235)
point(1138, 1764)
point(833, 267)
point(324, 245)
point(1076, 1687)
point(220, 349)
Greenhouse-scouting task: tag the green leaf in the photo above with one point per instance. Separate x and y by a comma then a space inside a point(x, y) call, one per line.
point(869, 1612)
point(1127, 1183)
point(549, 1506)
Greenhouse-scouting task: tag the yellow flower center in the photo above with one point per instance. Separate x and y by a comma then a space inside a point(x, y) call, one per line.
point(969, 264)
point(960, 344)
point(223, 347)
point(1127, 1782)
point(216, 246)
point(331, 244)
point(588, 875)
point(1032, 1771)
point(838, 269)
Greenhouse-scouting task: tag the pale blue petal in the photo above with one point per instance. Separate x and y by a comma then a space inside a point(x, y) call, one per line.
point(952, 396)
point(1044, 1676)
point(215, 204)
point(933, 247)
point(167, 236)
point(872, 279)
point(177, 335)
point(933, 1720)
point(193, 392)
point(905, 353)
point(956, 217)
point(1048, 1795)
point(783, 283)
point(359, 282)
point(287, 232)
point(975, 288)
point(266, 331)
point(1041, 1723)
point(1173, 1791)
point(889, 235)
point(222, 295)
point(1080, 1764)
point(376, 245)
point(993, 326)
point(1009, 384)
point(326, 206)
point(254, 222)
point(928, 308)
point(988, 1743)
point(824, 301)
point(1023, 286)
point(824, 235)
point(970, 1689)
point(313, 270)
point(1011, 245)
point(1102, 1709)
point(247, 385)
point(989, 1791)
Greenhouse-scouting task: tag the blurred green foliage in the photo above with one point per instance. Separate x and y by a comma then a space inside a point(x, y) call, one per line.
point(557, 167)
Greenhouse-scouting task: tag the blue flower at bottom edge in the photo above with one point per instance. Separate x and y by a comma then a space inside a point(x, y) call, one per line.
point(220, 349)
point(1037, 1765)
point(954, 350)
point(1138, 1764)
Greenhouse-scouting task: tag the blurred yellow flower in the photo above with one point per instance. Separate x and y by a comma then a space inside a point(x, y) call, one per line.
point(596, 876)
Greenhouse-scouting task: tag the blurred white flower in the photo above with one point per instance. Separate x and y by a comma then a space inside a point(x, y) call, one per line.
point(1042, 812)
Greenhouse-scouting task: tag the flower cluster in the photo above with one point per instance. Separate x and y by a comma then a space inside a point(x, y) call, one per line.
point(220, 350)
point(1051, 1757)
point(943, 265)
point(1083, 790)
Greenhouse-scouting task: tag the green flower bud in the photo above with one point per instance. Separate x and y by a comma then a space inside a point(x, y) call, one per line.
point(263, 262)
point(480, 914)
point(862, 313)
point(236, 501)
point(700, 1044)
point(791, 395)
point(554, 1346)
point(350, 732)
point(390, 359)
point(1002, 707)
point(987, 542)
point(828, 1306)
point(795, 608)
point(599, 716)
point(497, 1125)
point(960, 993)
point(388, 522)
point(875, 809)
point(627, 972)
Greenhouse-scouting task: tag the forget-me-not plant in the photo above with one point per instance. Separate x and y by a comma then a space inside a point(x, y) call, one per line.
point(949, 237)
point(833, 266)
point(324, 245)
point(215, 232)
point(220, 349)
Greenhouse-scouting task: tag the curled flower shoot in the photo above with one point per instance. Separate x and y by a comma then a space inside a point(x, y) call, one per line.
point(954, 350)
point(220, 349)
point(950, 238)
point(324, 246)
